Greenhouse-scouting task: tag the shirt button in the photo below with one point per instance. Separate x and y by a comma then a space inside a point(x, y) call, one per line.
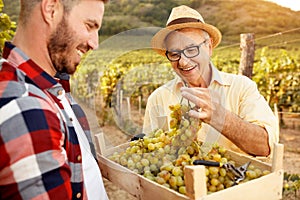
point(71, 119)
point(78, 195)
point(79, 158)
point(59, 92)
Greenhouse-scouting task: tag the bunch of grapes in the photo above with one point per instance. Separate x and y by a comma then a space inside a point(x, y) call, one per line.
point(162, 155)
point(291, 183)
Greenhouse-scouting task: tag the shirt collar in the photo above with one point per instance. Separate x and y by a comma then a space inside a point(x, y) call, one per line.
point(20, 60)
point(217, 76)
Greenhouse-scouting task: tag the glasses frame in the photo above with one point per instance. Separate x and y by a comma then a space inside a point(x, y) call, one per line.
point(184, 50)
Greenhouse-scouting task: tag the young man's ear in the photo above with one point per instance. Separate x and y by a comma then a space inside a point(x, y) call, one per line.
point(52, 10)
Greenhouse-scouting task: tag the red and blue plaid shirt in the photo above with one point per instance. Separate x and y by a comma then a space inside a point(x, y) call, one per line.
point(40, 156)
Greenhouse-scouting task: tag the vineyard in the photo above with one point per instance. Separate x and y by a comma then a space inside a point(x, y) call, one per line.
point(117, 79)
point(130, 71)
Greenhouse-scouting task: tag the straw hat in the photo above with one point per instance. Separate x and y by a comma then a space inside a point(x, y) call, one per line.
point(184, 17)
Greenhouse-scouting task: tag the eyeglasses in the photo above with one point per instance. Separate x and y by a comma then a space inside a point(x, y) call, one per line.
point(189, 52)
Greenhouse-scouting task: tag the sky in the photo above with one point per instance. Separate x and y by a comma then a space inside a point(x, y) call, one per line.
point(292, 4)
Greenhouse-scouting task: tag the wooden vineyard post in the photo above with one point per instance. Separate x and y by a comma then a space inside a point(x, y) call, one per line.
point(247, 54)
point(128, 107)
point(140, 104)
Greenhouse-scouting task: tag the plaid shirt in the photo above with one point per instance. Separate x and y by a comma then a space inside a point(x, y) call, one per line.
point(39, 149)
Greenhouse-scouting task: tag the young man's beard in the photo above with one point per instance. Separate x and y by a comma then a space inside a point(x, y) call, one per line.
point(59, 47)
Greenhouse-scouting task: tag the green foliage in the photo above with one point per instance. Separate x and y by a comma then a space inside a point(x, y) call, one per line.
point(276, 72)
point(231, 17)
point(12, 7)
point(6, 27)
point(140, 65)
point(137, 73)
point(278, 79)
point(291, 184)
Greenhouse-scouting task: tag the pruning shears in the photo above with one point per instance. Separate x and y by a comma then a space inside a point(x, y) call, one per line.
point(238, 172)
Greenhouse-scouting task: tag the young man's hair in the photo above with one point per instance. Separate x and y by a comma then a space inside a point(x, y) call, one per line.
point(28, 5)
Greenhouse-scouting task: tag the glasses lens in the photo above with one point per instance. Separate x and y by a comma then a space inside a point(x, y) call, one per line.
point(191, 51)
point(173, 56)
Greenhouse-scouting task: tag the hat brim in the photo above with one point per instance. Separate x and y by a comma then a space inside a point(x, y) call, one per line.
point(157, 41)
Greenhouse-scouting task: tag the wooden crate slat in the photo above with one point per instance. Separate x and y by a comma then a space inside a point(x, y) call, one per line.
point(266, 187)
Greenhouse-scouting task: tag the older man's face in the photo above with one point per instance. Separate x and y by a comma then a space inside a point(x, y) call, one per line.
point(195, 71)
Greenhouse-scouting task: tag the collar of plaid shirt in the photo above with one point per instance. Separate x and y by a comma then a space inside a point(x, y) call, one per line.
point(46, 82)
point(31, 73)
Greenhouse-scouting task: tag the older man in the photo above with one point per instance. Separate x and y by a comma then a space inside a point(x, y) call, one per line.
point(233, 112)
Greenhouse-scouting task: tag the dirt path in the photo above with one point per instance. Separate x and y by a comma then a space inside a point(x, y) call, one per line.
point(290, 138)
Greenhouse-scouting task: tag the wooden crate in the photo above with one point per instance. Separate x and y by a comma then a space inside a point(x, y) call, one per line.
point(266, 187)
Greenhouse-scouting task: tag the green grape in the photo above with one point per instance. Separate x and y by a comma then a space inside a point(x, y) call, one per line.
point(258, 172)
point(160, 180)
point(221, 179)
point(211, 176)
point(153, 168)
point(158, 133)
point(123, 161)
point(220, 187)
point(217, 157)
point(212, 188)
point(136, 157)
point(145, 162)
point(167, 149)
point(162, 155)
point(188, 133)
point(147, 168)
point(183, 137)
point(213, 170)
point(160, 151)
point(182, 189)
point(223, 160)
point(164, 174)
point(228, 183)
point(152, 178)
point(185, 123)
point(181, 150)
point(222, 172)
point(155, 140)
point(214, 181)
point(147, 173)
point(173, 123)
point(251, 167)
point(222, 150)
point(153, 160)
point(146, 140)
point(206, 171)
point(151, 146)
point(139, 166)
point(180, 181)
point(251, 174)
point(162, 137)
point(130, 164)
point(173, 181)
point(177, 171)
point(167, 166)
